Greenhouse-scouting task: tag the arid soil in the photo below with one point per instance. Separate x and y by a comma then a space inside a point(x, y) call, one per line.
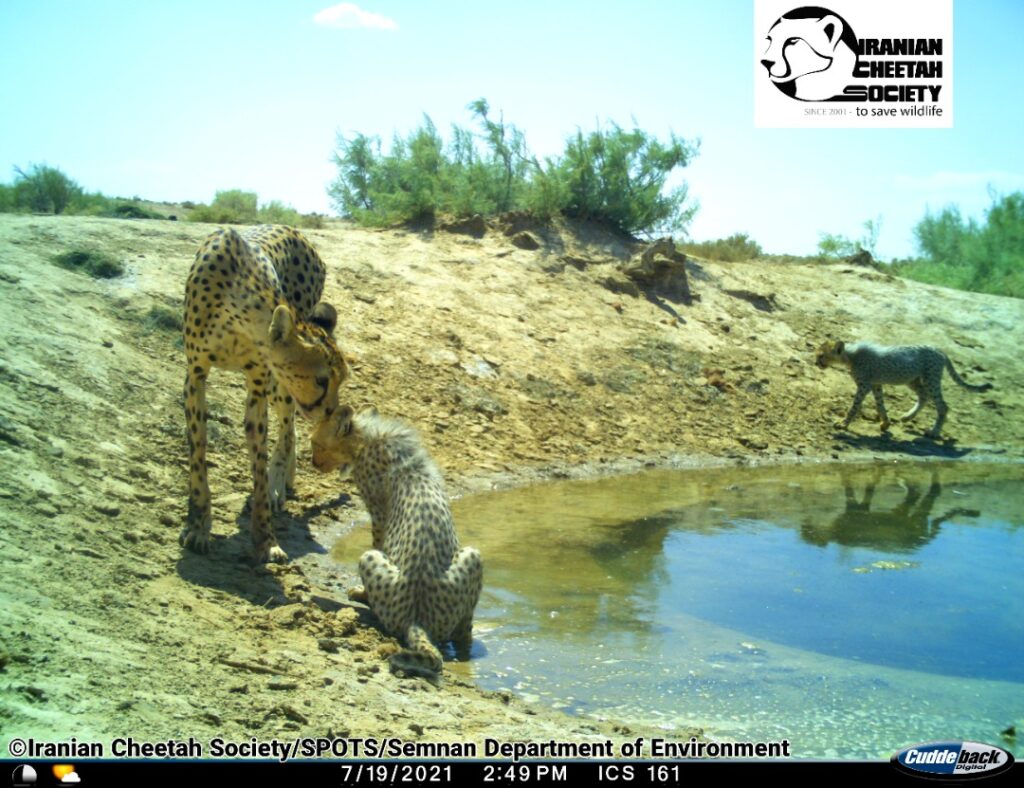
point(515, 364)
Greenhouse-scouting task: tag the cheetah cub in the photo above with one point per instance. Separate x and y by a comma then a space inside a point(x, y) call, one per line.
point(416, 579)
point(918, 366)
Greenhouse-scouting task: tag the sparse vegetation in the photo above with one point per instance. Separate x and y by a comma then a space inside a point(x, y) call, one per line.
point(162, 318)
point(735, 248)
point(44, 189)
point(837, 246)
point(616, 176)
point(235, 206)
point(97, 264)
point(987, 257)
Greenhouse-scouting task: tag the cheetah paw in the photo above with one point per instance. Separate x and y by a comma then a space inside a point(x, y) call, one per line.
point(272, 554)
point(358, 594)
point(195, 540)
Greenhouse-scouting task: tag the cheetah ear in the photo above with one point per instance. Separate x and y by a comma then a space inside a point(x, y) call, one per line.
point(325, 316)
point(282, 326)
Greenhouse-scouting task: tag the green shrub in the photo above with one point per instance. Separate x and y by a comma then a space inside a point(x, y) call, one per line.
point(162, 318)
point(127, 210)
point(235, 206)
point(735, 248)
point(613, 176)
point(92, 262)
point(44, 189)
point(986, 257)
point(618, 177)
point(7, 204)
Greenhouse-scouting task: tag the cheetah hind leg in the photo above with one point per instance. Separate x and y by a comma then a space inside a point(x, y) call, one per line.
point(421, 658)
point(465, 579)
point(918, 388)
point(385, 589)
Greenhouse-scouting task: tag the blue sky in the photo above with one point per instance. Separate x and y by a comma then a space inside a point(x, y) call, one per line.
point(175, 99)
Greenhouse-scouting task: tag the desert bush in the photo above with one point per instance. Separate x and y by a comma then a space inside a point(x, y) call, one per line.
point(619, 176)
point(162, 318)
point(127, 210)
point(7, 204)
point(985, 256)
point(97, 264)
point(235, 206)
point(735, 248)
point(615, 176)
point(44, 189)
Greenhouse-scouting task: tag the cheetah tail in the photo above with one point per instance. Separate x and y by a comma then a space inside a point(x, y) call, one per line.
point(960, 381)
point(421, 658)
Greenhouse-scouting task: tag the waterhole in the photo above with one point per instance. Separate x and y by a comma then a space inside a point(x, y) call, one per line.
point(852, 611)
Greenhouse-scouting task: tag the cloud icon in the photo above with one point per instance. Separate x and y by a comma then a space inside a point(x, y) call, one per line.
point(71, 778)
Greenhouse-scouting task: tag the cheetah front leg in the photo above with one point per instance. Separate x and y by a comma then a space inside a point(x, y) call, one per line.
point(858, 400)
point(267, 548)
point(883, 417)
point(282, 465)
point(196, 534)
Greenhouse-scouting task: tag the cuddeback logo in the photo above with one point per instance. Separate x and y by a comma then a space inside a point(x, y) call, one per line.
point(814, 55)
point(946, 760)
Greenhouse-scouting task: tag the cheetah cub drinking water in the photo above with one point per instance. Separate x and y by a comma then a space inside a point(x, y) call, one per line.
point(919, 367)
point(416, 579)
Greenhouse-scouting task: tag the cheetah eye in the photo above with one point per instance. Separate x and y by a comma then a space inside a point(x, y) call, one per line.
point(322, 381)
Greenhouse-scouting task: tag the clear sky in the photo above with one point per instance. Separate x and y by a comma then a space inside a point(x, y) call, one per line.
point(176, 99)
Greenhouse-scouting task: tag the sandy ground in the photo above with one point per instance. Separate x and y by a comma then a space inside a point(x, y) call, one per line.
point(515, 364)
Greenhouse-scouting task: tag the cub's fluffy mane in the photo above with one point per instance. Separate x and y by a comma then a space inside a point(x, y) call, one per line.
point(400, 439)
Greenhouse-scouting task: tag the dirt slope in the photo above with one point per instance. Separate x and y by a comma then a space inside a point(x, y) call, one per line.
point(515, 365)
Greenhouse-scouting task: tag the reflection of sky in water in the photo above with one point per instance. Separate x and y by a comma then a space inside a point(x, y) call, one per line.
point(853, 611)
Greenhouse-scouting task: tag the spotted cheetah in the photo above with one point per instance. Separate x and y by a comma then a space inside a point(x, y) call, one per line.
point(918, 366)
point(416, 579)
point(251, 306)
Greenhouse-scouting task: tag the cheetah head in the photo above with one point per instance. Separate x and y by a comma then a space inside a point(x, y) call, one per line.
point(831, 353)
point(306, 361)
point(335, 442)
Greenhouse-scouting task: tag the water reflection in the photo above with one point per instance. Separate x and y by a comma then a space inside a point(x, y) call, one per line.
point(903, 528)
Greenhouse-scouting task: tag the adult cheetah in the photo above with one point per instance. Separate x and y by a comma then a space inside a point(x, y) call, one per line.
point(251, 305)
point(919, 367)
point(417, 580)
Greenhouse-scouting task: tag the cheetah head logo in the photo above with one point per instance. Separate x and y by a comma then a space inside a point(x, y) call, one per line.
point(811, 54)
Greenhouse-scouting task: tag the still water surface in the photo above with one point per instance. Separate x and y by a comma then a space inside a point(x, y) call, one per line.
point(853, 611)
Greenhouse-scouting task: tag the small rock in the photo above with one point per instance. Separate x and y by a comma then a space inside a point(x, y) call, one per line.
point(108, 509)
point(45, 509)
point(107, 343)
point(474, 226)
point(525, 240)
point(166, 519)
point(328, 645)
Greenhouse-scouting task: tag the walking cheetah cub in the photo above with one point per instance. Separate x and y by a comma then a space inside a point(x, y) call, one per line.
point(918, 366)
point(416, 580)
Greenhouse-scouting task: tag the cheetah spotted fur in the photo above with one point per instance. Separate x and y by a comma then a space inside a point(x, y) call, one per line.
point(919, 367)
point(251, 306)
point(416, 579)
